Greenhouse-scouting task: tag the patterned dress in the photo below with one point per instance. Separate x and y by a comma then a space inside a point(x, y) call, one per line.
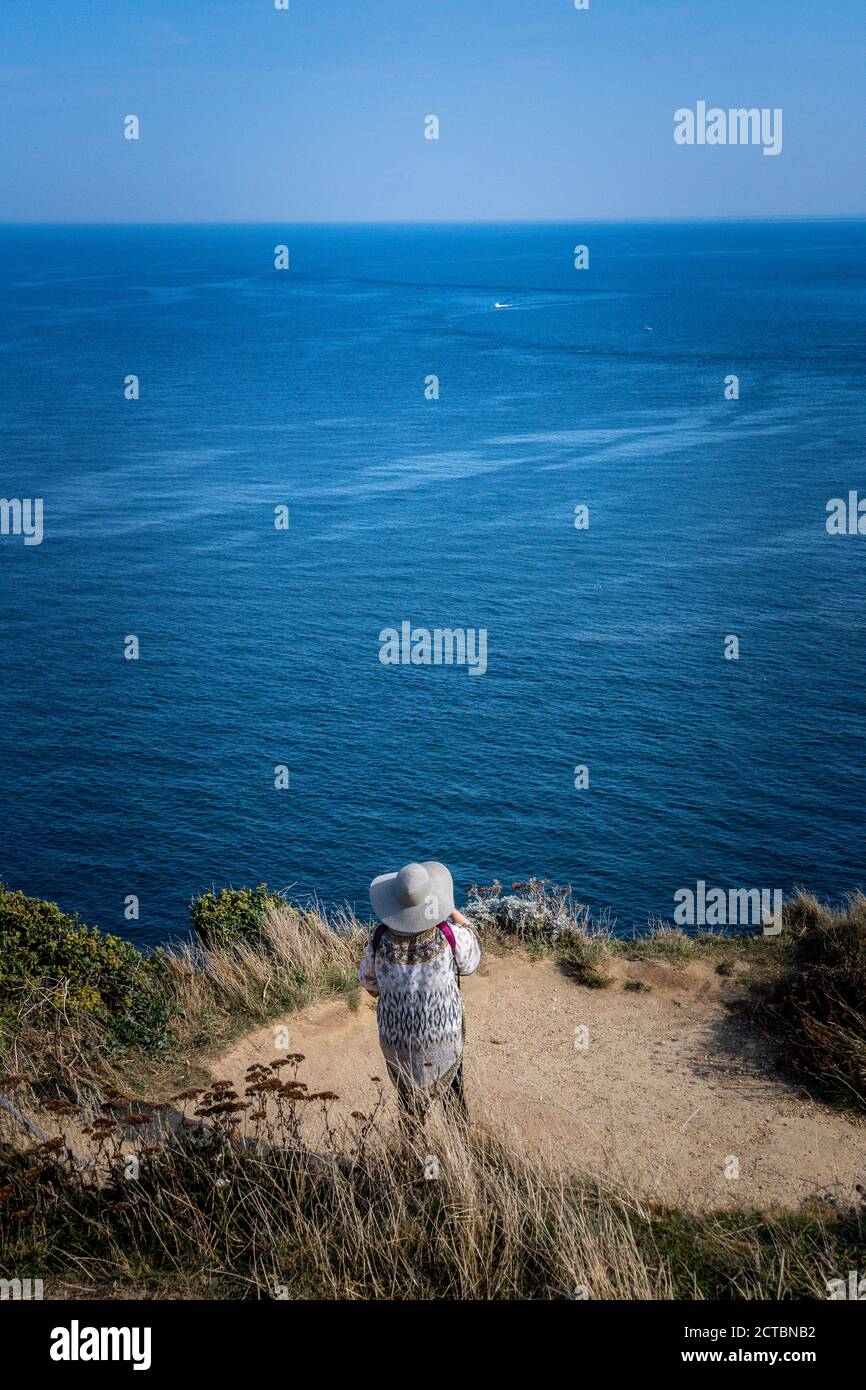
point(420, 1010)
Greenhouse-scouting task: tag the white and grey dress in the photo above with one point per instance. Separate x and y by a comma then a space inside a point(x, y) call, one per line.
point(420, 1010)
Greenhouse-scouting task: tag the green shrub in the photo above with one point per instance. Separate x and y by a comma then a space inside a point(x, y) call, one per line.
point(233, 916)
point(79, 969)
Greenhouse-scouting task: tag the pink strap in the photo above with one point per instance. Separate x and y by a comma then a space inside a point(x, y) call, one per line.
point(449, 936)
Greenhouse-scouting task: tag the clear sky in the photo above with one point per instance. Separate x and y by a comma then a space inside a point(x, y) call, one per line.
point(317, 113)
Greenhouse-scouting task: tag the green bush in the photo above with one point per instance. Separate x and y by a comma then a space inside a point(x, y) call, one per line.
point(233, 916)
point(78, 968)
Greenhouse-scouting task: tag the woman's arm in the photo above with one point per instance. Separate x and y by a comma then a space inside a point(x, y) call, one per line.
point(468, 949)
point(367, 974)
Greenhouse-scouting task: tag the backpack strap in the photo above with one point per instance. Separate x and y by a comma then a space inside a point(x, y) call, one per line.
point(449, 936)
point(446, 931)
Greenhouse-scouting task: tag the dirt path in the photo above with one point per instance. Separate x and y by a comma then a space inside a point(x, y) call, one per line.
point(668, 1093)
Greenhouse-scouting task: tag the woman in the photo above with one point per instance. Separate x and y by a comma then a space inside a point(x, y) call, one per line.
point(413, 965)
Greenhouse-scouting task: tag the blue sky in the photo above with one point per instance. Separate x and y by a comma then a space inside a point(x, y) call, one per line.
point(317, 114)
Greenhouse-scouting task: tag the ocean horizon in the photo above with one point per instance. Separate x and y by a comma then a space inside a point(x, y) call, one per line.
point(313, 456)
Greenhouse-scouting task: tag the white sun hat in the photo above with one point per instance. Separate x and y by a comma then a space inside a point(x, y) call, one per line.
point(418, 897)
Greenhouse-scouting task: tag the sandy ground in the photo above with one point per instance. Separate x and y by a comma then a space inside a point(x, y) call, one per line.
point(669, 1091)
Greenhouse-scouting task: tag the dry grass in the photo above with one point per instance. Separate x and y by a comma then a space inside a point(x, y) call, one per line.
point(212, 993)
point(545, 920)
point(56, 1043)
point(300, 956)
point(816, 1009)
point(232, 1200)
point(266, 1194)
point(810, 985)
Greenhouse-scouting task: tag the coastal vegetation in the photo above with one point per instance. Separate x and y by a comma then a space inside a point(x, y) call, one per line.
point(70, 991)
point(126, 1168)
point(233, 1203)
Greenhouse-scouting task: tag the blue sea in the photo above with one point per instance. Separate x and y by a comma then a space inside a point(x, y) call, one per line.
point(259, 647)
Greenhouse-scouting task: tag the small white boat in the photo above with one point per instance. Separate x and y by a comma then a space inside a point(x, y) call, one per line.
point(497, 305)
